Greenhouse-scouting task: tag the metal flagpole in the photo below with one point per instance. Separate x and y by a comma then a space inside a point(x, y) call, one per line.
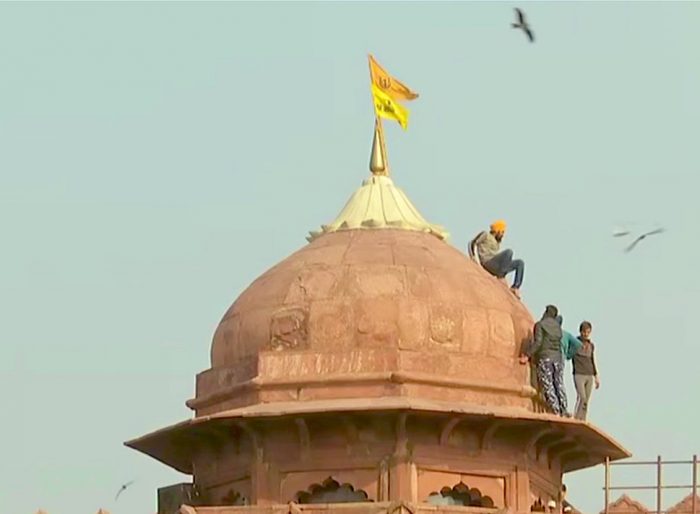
point(607, 483)
point(378, 122)
point(382, 142)
point(695, 484)
point(658, 484)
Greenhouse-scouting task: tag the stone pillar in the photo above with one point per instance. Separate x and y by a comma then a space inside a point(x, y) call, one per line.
point(519, 499)
point(403, 481)
point(261, 491)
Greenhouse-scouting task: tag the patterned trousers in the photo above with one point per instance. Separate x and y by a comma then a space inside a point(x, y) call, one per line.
point(550, 377)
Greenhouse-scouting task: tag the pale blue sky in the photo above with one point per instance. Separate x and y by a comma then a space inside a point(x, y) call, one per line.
point(156, 158)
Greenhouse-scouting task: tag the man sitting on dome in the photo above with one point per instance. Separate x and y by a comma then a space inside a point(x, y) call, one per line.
point(486, 246)
point(546, 347)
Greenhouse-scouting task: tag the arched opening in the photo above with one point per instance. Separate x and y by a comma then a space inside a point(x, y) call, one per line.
point(331, 491)
point(460, 494)
point(234, 498)
point(537, 506)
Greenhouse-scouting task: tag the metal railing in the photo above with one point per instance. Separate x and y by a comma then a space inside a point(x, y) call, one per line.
point(659, 487)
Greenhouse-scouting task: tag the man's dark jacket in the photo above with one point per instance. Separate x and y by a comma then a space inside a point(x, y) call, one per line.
point(547, 341)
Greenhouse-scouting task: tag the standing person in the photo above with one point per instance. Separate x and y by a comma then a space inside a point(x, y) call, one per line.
point(486, 246)
point(585, 371)
point(546, 347)
point(569, 343)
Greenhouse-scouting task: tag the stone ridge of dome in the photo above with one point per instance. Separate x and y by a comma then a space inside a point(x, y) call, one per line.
point(379, 204)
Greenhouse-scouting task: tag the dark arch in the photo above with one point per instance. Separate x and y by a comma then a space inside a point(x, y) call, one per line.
point(460, 494)
point(331, 491)
point(235, 498)
point(538, 506)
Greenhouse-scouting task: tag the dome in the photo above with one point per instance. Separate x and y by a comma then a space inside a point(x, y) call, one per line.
point(377, 305)
point(355, 305)
point(391, 288)
point(377, 350)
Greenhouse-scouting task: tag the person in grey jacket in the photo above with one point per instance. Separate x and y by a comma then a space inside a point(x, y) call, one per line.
point(585, 371)
point(547, 349)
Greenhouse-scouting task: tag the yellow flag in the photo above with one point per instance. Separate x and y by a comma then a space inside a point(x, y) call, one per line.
point(388, 108)
point(393, 87)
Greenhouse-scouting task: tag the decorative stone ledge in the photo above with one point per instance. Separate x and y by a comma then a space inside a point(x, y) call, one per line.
point(342, 508)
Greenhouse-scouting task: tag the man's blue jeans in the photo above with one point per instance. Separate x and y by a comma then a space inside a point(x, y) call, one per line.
point(503, 263)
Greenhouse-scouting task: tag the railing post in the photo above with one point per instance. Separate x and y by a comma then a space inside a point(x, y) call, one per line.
point(607, 483)
point(695, 484)
point(658, 484)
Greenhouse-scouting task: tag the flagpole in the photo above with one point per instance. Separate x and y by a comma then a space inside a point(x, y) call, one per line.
point(382, 143)
point(378, 126)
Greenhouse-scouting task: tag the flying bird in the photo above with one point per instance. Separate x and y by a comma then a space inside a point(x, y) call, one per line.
point(621, 232)
point(122, 489)
point(642, 237)
point(522, 24)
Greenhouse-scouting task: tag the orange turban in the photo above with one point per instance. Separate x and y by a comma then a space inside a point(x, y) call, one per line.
point(498, 226)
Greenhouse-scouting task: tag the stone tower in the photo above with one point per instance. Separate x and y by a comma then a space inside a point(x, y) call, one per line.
point(375, 368)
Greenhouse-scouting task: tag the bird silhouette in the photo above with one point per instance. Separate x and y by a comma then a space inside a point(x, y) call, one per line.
point(642, 237)
point(522, 24)
point(122, 489)
point(621, 232)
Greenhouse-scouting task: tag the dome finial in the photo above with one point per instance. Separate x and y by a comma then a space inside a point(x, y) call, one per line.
point(386, 93)
point(378, 164)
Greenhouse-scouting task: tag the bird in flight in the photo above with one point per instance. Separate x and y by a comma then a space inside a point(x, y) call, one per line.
point(621, 232)
point(122, 489)
point(522, 24)
point(642, 237)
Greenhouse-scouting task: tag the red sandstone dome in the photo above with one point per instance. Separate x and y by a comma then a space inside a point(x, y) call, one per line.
point(381, 358)
point(373, 314)
point(380, 289)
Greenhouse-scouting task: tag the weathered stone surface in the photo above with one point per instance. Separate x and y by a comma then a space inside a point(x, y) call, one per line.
point(217, 378)
point(446, 324)
point(415, 256)
point(413, 322)
point(377, 280)
point(329, 325)
point(377, 321)
point(476, 332)
point(419, 285)
point(316, 284)
point(386, 289)
point(314, 366)
point(376, 254)
point(288, 329)
point(228, 334)
point(502, 335)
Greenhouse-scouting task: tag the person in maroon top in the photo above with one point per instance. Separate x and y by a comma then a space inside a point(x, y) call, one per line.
point(585, 371)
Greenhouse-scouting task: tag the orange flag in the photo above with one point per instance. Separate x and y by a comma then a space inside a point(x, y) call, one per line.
point(391, 86)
